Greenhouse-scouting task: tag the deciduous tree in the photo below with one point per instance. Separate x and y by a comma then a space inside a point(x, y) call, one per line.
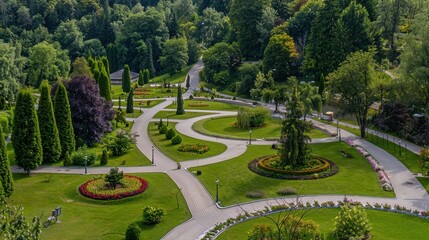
point(174, 55)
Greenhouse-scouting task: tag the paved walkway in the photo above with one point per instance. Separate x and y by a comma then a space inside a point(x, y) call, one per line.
point(205, 213)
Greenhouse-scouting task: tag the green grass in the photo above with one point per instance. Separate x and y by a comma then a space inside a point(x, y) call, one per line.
point(236, 179)
point(83, 218)
point(144, 104)
point(385, 225)
point(187, 115)
point(136, 113)
point(425, 182)
point(171, 151)
point(211, 105)
point(225, 127)
point(176, 78)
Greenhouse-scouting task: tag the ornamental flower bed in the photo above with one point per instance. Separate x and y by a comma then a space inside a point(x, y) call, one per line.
point(194, 148)
point(97, 188)
point(384, 180)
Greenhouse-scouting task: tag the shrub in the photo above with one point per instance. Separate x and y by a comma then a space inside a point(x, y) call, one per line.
point(152, 215)
point(163, 129)
point(199, 172)
point(170, 134)
point(351, 223)
point(255, 194)
point(121, 142)
point(195, 148)
point(133, 232)
point(252, 117)
point(78, 157)
point(104, 157)
point(261, 231)
point(287, 191)
point(212, 97)
point(160, 124)
point(114, 177)
point(191, 97)
point(67, 159)
point(176, 140)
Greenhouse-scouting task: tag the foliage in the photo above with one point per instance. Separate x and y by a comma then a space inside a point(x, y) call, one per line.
point(126, 79)
point(247, 74)
point(104, 83)
point(170, 134)
point(255, 194)
point(221, 57)
point(160, 123)
point(6, 179)
point(146, 76)
point(352, 223)
point(81, 155)
point(119, 144)
point(287, 191)
point(12, 69)
point(176, 140)
point(394, 117)
point(48, 128)
point(63, 119)
point(104, 157)
point(80, 68)
point(26, 135)
point(67, 161)
point(152, 214)
point(163, 129)
point(14, 224)
point(180, 108)
point(252, 117)
point(114, 177)
point(140, 81)
point(174, 55)
point(70, 37)
point(133, 232)
point(195, 148)
point(212, 26)
point(130, 102)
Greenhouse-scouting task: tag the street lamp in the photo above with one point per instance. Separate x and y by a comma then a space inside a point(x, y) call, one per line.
point(339, 134)
point(217, 190)
point(167, 118)
point(399, 147)
point(250, 137)
point(153, 155)
point(338, 127)
point(86, 164)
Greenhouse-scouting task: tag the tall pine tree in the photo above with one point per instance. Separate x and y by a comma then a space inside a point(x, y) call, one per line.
point(149, 62)
point(112, 56)
point(126, 79)
point(180, 108)
point(146, 76)
point(48, 127)
point(130, 102)
point(141, 78)
point(5, 173)
point(26, 134)
point(63, 120)
point(104, 84)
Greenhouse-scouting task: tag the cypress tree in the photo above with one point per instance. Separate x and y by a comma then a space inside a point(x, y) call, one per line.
point(180, 109)
point(48, 128)
point(112, 57)
point(96, 72)
point(26, 134)
point(63, 119)
point(107, 68)
point(104, 85)
point(149, 61)
point(146, 76)
point(188, 81)
point(6, 178)
point(141, 78)
point(130, 102)
point(126, 79)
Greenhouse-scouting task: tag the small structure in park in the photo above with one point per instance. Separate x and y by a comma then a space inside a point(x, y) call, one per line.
point(116, 77)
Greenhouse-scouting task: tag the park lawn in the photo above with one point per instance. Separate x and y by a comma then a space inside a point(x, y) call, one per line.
point(187, 115)
point(179, 77)
point(225, 127)
point(207, 105)
point(355, 176)
point(136, 104)
point(171, 151)
point(136, 114)
point(398, 226)
point(425, 182)
point(84, 218)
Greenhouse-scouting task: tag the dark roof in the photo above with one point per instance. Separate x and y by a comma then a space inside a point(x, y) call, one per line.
point(118, 75)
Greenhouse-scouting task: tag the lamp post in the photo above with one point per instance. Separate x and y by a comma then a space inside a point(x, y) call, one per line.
point(250, 137)
point(399, 147)
point(339, 134)
point(153, 155)
point(338, 127)
point(217, 190)
point(86, 164)
point(167, 118)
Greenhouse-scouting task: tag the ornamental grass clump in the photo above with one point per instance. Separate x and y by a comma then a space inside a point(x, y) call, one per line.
point(352, 223)
point(152, 215)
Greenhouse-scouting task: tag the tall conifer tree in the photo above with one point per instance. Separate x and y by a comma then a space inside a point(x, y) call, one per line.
point(126, 79)
point(141, 78)
point(180, 108)
point(146, 76)
point(104, 85)
point(5, 173)
point(63, 120)
point(130, 102)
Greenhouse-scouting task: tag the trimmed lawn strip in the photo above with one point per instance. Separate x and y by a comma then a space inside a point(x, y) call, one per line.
point(176, 78)
point(136, 114)
point(224, 127)
point(153, 103)
point(425, 182)
point(171, 151)
point(187, 115)
point(398, 226)
point(83, 218)
point(237, 180)
point(202, 105)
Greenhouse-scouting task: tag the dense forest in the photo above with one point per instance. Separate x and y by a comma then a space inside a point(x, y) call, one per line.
point(250, 48)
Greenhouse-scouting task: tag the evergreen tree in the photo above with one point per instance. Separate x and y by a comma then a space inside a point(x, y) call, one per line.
point(146, 76)
point(112, 56)
point(107, 67)
point(104, 85)
point(96, 71)
point(188, 81)
point(5, 174)
point(48, 128)
point(130, 102)
point(180, 108)
point(63, 119)
point(26, 135)
point(173, 25)
point(126, 79)
point(141, 78)
point(149, 62)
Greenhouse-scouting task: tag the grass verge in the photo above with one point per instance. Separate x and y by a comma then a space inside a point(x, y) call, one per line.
point(172, 115)
point(206, 105)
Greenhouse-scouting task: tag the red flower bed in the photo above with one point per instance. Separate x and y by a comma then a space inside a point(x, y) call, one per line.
point(87, 193)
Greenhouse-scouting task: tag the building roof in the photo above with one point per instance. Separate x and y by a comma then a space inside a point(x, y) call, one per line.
point(117, 76)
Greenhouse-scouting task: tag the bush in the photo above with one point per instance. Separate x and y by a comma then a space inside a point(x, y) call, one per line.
point(67, 159)
point(191, 97)
point(255, 194)
point(199, 172)
point(163, 129)
point(212, 97)
point(104, 157)
point(152, 215)
point(287, 191)
point(114, 177)
point(170, 134)
point(176, 140)
point(160, 124)
point(133, 232)
point(252, 117)
point(351, 223)
point(78, 157)
point(121, 142)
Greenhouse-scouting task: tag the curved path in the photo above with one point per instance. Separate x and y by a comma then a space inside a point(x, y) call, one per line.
point(205, 213)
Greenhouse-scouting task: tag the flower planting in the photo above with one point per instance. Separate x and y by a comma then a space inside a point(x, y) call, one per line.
point(194, 148)
point(101, 190)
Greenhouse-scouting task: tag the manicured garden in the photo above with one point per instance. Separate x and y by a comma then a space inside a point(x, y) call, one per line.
point(137, 104)
point(226, 127)
point(237, 181)
point(83, 218)
point(175, 78)
point(206, 105)
point(172, 151)
point(398, 226)
point(187, 115)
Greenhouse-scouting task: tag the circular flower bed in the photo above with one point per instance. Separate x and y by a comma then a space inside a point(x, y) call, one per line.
point(194, 148)
point(320, 168)
point(198, 105)
point(99, 189)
